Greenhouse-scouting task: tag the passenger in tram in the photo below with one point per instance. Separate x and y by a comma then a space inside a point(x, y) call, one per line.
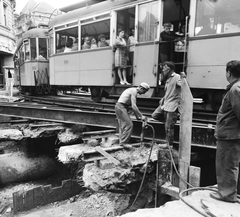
point(206, 28)
point(121, 57)
point(93, 43)
point(169, 106)
point(41, 56)
point(102, 41)
point(167, 47)
point(69, 45)
point(60, 49)
point(87, 43)
point(128, 98)
point(132, 42)
point(75, 45)
point(227, 133)
point(27, 56)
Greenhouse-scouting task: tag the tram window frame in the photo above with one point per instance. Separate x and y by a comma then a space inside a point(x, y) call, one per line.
point(51, 43)
point(27, 52)
point(65, 37)
point(214, 18)
point(93, 21)
point(21, 54)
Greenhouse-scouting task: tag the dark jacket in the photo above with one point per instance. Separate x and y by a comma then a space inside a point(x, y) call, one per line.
point(168, 47)
point(228, 118)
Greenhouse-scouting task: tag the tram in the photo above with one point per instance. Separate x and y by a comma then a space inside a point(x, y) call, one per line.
point(31, 61)
point(211, 39)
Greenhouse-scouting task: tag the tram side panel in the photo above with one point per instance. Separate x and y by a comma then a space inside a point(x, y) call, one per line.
point(34, 72)
point(207, 60)
point(84, 68)
point(206, 72)
point(145, 64)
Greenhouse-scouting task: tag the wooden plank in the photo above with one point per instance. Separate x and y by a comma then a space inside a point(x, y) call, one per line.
point(169, 189)
point(185, 133)
point(108, 156)
point(194, 176)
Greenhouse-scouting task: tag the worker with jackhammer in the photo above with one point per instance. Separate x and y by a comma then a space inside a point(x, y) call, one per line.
point(169, 105)
point(128, 98)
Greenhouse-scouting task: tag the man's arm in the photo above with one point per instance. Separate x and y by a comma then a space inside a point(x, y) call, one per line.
point(135, 109)
point(235, 101)
point(167, 37)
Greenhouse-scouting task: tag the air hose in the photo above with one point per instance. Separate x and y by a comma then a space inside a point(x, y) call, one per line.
point(145, 125)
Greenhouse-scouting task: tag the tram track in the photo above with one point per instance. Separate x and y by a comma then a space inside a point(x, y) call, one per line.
point(84, 102)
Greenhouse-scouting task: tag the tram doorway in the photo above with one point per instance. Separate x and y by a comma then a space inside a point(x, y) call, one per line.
point(126, 22)
point(175, 13)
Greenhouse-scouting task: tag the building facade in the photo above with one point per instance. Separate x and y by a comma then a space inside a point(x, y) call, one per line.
point(33, 15)
point(7, 36)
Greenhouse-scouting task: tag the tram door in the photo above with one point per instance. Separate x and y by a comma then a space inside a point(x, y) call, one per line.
point(146, 50)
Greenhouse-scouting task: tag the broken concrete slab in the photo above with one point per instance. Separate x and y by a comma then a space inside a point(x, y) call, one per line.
point(11, 134)
point(130, 161)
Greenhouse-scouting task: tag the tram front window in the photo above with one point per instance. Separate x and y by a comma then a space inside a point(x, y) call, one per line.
point(27, 51)
point(33, 48)
point(217, 17)
point(42, 49)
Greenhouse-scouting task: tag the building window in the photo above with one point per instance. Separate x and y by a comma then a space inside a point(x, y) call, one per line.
point(5, 14)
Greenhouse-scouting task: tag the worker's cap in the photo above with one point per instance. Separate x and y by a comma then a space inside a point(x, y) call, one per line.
point(145, 85)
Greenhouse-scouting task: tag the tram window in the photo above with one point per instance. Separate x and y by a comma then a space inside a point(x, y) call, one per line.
point(21, 52)
point(42, 48)
point(217, 17)
point(95, 35)
point(148, 16)
point(27, 51)
point(33, 48)
point(67, 40)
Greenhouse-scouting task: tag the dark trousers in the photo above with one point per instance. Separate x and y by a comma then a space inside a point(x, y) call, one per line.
point(227, 168)
point(170, 119)
point(124, 122)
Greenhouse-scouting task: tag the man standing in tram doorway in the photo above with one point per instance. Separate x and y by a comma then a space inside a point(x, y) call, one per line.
point(227, 133)
point(128, 98)
point(167, 45)
point(169, 106)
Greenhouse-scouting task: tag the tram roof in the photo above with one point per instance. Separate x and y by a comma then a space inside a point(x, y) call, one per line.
point(90, 10)
point(36, 32)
